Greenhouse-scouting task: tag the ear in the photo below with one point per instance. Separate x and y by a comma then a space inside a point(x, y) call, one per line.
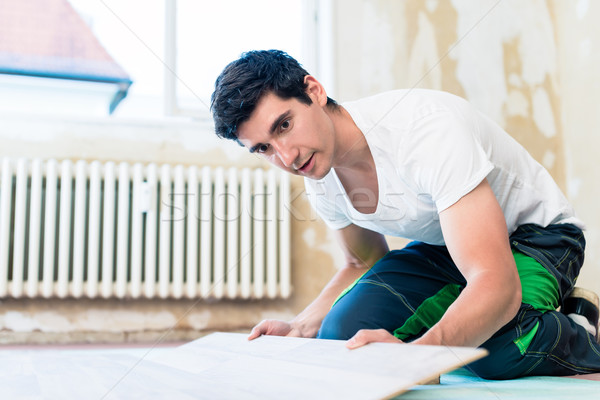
point(315, 90)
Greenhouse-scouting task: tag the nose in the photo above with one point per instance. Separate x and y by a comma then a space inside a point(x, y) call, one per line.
point(286, 154)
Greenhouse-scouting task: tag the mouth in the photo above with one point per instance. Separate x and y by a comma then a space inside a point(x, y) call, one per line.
point(307, 165)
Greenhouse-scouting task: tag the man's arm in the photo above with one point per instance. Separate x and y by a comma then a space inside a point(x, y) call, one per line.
point(476, 236)
point(475, 232)
point(362, 248)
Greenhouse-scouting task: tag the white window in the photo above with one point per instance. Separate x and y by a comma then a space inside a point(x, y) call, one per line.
point(174, 49)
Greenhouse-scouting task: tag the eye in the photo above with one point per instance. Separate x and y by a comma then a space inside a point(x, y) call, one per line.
point(285, 124)
point(262, 148)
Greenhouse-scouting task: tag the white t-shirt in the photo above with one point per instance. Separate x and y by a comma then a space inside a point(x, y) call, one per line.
point(430, 149)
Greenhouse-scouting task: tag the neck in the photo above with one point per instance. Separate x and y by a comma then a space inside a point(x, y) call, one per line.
point(352, 151)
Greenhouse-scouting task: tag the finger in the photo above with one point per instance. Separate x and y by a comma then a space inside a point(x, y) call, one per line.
point(257, 331)
point(254, 334)
point(359, 339)
point(353, 343)
point(366, 336)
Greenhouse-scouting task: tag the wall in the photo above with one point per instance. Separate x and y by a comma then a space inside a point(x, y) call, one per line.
point(578, 38)
point(531, 66)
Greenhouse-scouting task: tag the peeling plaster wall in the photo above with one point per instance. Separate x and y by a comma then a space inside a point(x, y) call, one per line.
point(578, 40)
point(97, 320)
point(531, 66)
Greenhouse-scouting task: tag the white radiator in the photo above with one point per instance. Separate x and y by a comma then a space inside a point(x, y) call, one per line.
point(106, 230)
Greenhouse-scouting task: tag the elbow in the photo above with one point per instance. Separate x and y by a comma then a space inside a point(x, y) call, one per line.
point(515, 305)
point(514, 299)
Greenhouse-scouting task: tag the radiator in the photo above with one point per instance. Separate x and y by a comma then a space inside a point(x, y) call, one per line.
point(92, 229)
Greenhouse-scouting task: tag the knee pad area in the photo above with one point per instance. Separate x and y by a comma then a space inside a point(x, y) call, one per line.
point(338, 326)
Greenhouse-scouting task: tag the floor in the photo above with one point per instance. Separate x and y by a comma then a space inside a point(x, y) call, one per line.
point(461, 384)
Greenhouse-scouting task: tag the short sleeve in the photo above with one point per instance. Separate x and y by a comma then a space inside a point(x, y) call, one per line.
point(326, 203)
point(444, 156)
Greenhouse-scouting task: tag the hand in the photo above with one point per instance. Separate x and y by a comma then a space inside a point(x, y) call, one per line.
point(273, 327)
point(365, 336)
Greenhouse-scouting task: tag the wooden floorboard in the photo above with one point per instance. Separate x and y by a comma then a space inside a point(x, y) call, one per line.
point(295, 368)
point(228, 366)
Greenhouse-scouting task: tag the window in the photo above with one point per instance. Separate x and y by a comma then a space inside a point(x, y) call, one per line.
point(174, 49)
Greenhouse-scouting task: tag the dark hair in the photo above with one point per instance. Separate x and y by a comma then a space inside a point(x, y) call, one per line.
point(244, 81)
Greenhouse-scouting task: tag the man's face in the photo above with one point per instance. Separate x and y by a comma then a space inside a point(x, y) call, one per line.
point(294, 136)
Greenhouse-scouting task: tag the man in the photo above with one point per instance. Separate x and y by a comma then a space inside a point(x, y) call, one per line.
point(496, 249)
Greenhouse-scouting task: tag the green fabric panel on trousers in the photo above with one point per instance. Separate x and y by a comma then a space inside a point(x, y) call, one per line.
point(539, 287)
point(524, 341)
point(429, 312)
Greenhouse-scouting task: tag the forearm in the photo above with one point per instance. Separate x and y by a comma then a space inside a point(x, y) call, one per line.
point(485, 305)
point(309, 320)
point(362, 248)
point(477, 239)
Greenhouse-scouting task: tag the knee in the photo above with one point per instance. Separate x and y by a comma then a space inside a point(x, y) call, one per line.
point(338, 326)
